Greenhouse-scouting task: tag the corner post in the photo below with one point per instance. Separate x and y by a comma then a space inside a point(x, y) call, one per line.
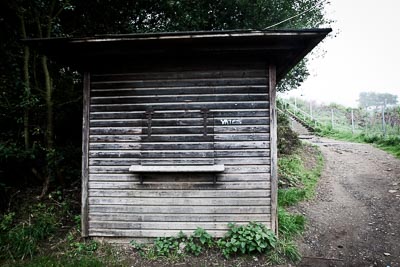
point(273, 148)
point(85, 155)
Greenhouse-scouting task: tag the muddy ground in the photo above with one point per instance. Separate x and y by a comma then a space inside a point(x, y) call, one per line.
point(355, 218)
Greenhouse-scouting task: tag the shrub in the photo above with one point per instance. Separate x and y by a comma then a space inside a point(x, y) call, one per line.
point(246, 239)
point(19, 240)
point(288, 140)
point(177, 245)
point(290, 224)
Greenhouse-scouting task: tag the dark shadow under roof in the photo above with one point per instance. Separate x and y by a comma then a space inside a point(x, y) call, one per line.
point(285, 48)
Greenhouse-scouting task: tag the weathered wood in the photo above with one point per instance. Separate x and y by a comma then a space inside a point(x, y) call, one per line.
point(180, 138)
point(181, 209)
point(248, 89)
point(114, 131)
point(85, 155)
point(181, 114)
point(237, 135)
point(175, 98)
point(125, 176)
point(189, 201)
point(181, 74)
point(149, 233)
point(160, 225)
point(273, 149)
point(178, 82)
point(175, 168)
point(131, 217)
point(242, 185)
point(177, 122)
point(177, 106)
point(178, 145)
point(180, 193)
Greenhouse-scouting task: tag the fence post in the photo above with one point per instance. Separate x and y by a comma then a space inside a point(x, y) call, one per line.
point(352, 121)
point(332, 121)
point(311, 115)
point(383, 118)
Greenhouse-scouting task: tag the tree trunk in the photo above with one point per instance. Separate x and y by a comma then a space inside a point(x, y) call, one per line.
point(49, 136)
point(27, 87)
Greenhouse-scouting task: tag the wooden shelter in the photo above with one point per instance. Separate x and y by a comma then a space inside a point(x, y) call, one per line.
point(179, 129)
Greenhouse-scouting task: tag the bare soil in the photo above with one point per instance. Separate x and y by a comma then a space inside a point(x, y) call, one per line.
point(355, 218)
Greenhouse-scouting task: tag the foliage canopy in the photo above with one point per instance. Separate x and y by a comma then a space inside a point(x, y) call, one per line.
point(40, 101)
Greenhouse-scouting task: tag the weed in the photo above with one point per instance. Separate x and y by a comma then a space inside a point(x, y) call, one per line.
point(290, 224)
point(299, 182)
point(246, 239)
point(285, 249)
point(290, 196)
point(21, 239)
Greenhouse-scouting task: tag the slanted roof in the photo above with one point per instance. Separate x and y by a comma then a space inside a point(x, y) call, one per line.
point(285, 48)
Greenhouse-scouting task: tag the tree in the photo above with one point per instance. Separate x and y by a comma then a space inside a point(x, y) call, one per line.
point(37, 93)
point(372, 99)
point(120, 16)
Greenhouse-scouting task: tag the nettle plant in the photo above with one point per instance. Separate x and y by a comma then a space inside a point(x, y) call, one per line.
point(247, 239)
point(240, 239)
point(178, 245)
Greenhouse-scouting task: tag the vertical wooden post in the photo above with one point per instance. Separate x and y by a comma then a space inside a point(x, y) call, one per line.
point(311, 115)
point(85, 154)
point(332, 119)
point(273, 148)
point(383, 118)
point(352, 121)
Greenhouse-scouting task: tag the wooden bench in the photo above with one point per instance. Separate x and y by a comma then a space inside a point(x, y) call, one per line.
point(141, 169)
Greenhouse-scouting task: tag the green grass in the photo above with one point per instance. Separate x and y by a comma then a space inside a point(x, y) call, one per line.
point(297, 182)
point(300, 182)
point(390, 144)
point(290, 225)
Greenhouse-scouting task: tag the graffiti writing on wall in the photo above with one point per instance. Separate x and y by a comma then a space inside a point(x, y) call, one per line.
point(230, 121)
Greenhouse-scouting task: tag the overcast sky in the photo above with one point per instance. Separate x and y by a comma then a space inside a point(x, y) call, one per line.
point(364, 56)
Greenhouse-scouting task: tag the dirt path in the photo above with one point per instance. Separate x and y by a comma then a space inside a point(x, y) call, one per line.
point(355, 217)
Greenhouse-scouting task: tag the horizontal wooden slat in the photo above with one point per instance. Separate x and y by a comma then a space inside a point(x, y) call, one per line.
point(244, 89)
point(165, 99)
point(178, 82)
point(179, 145)
point(189, 201)
point(178, 178)
point(186, 161)
point(179, 105)
point(243, 185)
point(180, 193)
point(159, 225)
point(174, 154)
point(182, 74)
point(180, 114)
point(181, 138)
point(164, 169)
point(113, 216)
point(181, 209)
point(178, 122)
point(146, 233)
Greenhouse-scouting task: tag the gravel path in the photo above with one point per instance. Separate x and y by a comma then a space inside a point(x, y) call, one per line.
point(355, 218)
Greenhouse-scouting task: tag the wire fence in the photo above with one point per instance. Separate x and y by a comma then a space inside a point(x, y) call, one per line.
point(379, 120)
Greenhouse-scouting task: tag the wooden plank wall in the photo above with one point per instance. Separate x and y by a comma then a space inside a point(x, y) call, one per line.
point(236, 96)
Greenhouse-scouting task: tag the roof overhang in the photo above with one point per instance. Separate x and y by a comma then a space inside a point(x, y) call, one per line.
point(284, 48)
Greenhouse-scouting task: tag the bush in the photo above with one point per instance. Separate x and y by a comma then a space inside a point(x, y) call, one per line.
point(247, 239)
point(288, 140)
point(290, 224)
point(177, 246)
point(19, 240)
